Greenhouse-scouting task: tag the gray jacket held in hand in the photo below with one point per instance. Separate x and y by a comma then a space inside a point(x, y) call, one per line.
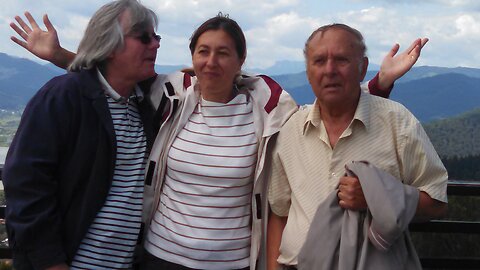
point(375, 239)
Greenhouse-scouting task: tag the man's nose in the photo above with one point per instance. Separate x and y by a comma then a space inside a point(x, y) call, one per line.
point(154, 43)
point(330, 66)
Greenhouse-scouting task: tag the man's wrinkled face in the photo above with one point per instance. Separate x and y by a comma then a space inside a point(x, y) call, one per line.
point(136, 59)
point(335, 66)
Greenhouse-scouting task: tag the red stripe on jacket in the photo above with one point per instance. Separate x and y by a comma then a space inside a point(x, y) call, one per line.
point(275, 90)
point(187, 80)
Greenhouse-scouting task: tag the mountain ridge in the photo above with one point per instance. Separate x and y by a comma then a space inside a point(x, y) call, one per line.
point(429, 92)
point(446, 100)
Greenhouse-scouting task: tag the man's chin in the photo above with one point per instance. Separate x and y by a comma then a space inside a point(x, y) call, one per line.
point(150, 73)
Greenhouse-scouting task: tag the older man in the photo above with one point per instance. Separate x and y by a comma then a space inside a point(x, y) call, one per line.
point(74, 173)
point(343, 125)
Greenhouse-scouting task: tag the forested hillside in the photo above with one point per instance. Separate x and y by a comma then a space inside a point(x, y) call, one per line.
point(466, 168)
point(457, 136)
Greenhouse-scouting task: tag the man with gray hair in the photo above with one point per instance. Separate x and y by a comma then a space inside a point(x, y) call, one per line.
point(343, 125)
point(74, 174)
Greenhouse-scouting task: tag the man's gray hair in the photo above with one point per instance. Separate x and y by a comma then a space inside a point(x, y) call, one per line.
point(360, 42)
point(105, 34)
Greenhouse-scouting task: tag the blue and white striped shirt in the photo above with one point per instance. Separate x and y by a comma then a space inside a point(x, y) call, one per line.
point(112, 237)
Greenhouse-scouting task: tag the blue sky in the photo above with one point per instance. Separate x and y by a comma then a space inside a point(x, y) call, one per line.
point(277, 29)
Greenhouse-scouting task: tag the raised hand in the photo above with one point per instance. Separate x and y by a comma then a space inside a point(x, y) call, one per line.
point(43, 44)
point(395, 66)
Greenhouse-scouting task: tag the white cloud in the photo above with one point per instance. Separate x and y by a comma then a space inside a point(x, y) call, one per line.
point(279, 38)
point(277, 29)
point(453, 35)
point(468, 26)
point(264, 24)
point(197, 11)
point(457, 3)
point(467, 4)
point(71, 32)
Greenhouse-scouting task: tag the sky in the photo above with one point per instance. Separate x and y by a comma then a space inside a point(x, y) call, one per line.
point(276, 30)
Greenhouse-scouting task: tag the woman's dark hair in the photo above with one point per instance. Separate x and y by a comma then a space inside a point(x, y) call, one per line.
point(222, 22)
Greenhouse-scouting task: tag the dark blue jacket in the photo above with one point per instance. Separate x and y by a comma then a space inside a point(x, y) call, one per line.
point(59, 168)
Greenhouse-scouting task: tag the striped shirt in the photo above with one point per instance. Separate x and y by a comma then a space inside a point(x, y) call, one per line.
point(203, 219)
point(306, 169)
point(112, 237)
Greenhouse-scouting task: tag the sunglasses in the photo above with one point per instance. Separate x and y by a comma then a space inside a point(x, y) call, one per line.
point(146, 38)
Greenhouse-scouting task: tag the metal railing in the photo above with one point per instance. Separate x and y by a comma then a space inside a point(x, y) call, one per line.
point(436, 226)
point(455, 188)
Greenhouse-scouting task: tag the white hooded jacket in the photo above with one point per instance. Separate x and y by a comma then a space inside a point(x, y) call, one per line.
point(272, 106)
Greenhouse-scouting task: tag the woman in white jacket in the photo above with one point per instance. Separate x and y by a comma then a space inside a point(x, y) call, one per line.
point(203, 202)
